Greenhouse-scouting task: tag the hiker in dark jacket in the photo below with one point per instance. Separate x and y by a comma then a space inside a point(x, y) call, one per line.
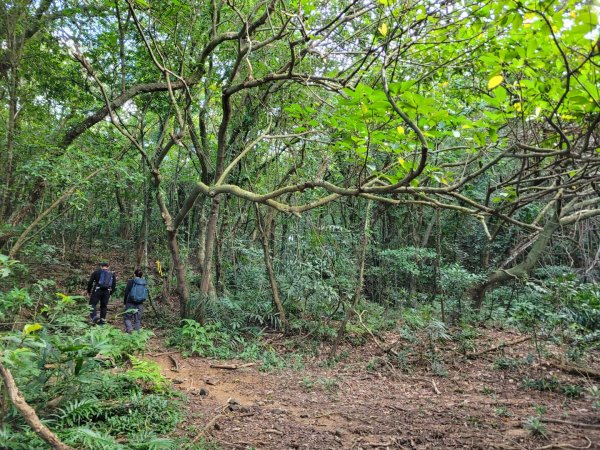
point(101, 284)
point(136, 293)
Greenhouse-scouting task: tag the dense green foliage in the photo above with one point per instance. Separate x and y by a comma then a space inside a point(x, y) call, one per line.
point(322, 168)
point(85, 381)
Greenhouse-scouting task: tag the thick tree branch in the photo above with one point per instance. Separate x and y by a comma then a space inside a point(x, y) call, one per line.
point(29, 413)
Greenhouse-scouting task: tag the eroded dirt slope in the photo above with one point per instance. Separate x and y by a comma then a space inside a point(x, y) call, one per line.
point(350, 407)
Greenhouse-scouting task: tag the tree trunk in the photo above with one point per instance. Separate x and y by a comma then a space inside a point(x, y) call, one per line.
point(360, 264)
point(142, 248)
point(178, 266)
point(209, 249)
point(6, 200)
point(265, 225)
point(477, 292)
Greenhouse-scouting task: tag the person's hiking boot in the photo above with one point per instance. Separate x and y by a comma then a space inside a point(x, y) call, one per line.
point(100, 322)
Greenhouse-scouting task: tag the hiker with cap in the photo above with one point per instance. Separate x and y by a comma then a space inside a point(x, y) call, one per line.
point(101, 284)
point(136, 293)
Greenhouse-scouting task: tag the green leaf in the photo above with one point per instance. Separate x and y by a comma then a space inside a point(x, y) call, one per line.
point(500, 94)
point(31, 328)
point(383, 29)
point(495, 81)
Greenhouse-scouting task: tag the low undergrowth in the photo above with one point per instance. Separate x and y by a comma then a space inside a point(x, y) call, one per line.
point(89, 384)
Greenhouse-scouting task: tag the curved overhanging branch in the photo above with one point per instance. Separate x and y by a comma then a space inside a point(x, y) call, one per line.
point(78, 129)
point(424, 146)
point(145, 88)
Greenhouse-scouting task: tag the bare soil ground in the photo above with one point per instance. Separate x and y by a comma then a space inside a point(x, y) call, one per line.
point(361, 402)
point(357, 405)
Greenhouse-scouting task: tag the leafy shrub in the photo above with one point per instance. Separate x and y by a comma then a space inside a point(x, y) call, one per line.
point(69, 372)
point(147, 373)
point(195, 339)
point(536, 427)
point(553, 385)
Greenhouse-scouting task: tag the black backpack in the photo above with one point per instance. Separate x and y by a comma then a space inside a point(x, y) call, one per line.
point(106, 279)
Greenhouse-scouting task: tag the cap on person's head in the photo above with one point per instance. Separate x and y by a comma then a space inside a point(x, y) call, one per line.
point(104, 264)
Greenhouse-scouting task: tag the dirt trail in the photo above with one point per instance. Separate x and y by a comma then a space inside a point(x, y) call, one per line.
point(349, 407)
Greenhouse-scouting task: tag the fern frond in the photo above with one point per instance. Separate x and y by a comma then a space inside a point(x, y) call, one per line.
point(83, 437)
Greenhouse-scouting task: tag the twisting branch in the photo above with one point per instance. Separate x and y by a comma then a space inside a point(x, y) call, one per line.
point(166, 72)
point(29, 413)
point(424, 146)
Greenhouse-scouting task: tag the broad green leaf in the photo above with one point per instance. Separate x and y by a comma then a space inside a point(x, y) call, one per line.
point(495, 81)
point(383, 29)
point(500, 94)
point(31, 328)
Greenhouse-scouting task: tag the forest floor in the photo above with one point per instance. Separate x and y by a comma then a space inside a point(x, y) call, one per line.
point(362, 402)
point(356, 404)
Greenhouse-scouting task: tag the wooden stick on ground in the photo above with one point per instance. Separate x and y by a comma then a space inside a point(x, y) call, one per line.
point(574, 424)
point(388, 350)
point(499, 346)
point(558, 445)
point(29, 413)
point(162, 353)
point(231, 366)
point(391, 350)
point(576, 370)
point(435, 388)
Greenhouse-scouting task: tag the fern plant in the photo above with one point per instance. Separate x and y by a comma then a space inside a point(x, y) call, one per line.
point(148, 374)
point(81, 411)
point(84, 437)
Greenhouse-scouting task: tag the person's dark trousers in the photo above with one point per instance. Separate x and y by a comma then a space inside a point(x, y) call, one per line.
point(133, 319)
point(102, 296)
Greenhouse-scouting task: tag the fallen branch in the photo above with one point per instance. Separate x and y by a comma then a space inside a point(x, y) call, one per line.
point(207, 427)
point(573, 424)
point(390, 349)
point(175, 367)
point(212, 422)
point(435, 388)
point(162, 353)
point(575, 370)
point(274, 431)
point(499, 346)
point(231, 366)
point(29, 413)
point(558, 445)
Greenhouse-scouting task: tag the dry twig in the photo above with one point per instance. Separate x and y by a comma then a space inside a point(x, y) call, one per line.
point(573, 424)
point(498, 347)
point(559, 445)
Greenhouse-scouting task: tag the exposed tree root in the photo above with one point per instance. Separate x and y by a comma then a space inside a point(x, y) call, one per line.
point(575, 370)
point(559, 445)
point(498, 347)
point(175, 367)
